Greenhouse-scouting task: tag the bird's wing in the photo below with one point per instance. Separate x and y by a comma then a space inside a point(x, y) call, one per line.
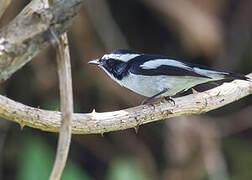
point(158, 65)
point(151, 65)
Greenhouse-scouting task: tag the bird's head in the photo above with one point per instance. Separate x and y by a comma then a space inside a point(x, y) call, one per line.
point(115, 62)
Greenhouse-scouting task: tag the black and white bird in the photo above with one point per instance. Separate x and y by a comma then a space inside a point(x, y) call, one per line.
point(157, 76)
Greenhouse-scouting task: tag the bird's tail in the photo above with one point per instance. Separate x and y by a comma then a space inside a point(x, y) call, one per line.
point(219, 75)
point(233, 76)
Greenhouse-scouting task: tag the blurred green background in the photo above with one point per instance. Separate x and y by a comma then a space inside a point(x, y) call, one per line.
point(217, 145)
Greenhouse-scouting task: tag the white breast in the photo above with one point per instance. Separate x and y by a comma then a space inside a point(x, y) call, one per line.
point(151, 85)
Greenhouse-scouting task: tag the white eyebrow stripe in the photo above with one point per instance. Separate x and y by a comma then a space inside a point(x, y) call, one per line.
point(153, 64)
point(121, 57)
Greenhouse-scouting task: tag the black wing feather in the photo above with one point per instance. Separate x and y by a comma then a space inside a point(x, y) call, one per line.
point(135, 68)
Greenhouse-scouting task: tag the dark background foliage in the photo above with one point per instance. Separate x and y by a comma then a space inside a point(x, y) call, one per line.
point(217, 145)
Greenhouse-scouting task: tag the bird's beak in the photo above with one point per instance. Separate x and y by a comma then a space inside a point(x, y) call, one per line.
point(95, 62)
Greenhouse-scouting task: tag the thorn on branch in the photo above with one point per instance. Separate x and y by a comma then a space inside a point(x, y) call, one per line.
point(102, 134)
point(194, 91)
point(136, 128)
point(93, 112)
point(22, 125)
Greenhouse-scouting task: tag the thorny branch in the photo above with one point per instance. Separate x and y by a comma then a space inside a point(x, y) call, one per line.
point(95, 123)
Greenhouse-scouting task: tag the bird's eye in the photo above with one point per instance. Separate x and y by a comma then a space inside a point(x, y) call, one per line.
point(110, 62)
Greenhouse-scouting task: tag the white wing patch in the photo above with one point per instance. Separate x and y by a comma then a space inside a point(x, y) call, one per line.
point(121, 57)
point(153, 64)
point(206, 72)
point(217, 75)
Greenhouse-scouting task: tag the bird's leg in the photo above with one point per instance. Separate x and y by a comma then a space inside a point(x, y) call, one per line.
point(169, 99)
point(146, 101)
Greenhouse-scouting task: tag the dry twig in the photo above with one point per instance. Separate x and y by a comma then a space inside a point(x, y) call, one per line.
point(66, 102)
point(3, 6)
point(66, 98)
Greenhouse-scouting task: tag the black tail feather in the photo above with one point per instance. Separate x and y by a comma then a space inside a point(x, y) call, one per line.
point(233, 76)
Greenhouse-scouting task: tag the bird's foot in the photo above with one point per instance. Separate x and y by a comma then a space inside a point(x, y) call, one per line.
point(145, 101)
point(169, 99)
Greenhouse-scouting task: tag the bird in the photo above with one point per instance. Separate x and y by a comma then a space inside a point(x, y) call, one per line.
point(155, 76)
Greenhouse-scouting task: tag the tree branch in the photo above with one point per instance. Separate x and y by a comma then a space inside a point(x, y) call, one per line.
point(95, 123)
point(30, 32)
point(66, 101)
